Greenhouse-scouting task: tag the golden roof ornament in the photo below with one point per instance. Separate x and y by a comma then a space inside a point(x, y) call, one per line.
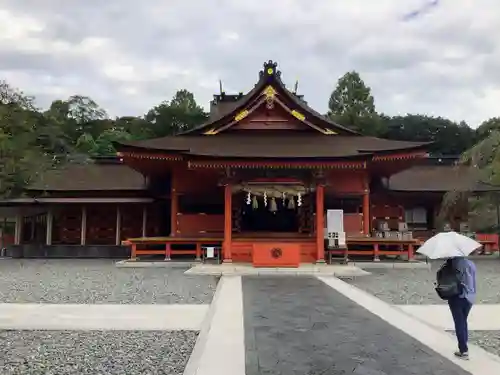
point(270, 70)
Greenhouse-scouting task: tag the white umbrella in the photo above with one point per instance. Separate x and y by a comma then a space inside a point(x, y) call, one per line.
point(448, 245)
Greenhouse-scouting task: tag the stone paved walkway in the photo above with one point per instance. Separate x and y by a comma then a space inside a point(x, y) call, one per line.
point(302, 326)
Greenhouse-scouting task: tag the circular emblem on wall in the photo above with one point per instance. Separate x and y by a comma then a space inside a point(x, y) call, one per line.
point(276, 252)
point(270, 71)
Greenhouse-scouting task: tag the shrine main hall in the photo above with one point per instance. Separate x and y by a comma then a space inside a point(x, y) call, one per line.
point(253, 184)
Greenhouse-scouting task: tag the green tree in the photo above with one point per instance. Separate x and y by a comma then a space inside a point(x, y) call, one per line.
point(351, 104)
point(137, 127)
point(487, 128)
point(484, 157)
point(103, 144)
point(447, 137)
point(29, 144)
point(79, 115)
point(180, 114)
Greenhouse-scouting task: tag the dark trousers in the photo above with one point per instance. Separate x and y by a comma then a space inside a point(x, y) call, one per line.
point(460, 308)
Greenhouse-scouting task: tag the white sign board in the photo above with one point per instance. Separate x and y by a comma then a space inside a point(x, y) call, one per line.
point(335, 221)
point(210, 252)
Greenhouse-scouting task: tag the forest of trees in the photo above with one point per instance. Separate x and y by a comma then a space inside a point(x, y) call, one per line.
point(33, 140)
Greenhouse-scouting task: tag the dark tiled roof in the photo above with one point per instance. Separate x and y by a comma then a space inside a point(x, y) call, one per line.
point(90, 177)
point(266, 146)
point(442, 178)
point(265, 79)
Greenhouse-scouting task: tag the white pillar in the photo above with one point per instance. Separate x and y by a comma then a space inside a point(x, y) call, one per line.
point(50, 221)
point(118, 225)
point(83, 234)
point(144, 220)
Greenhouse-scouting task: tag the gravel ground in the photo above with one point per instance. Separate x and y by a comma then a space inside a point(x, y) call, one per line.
point(99, 281)
point(416, 286)
point(95, 352)
point(488, 340)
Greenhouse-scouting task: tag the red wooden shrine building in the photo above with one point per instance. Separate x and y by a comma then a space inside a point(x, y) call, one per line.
point(254, 181)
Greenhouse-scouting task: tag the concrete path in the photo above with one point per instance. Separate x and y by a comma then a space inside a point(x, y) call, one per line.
point(303, 326)
point(482, 317)
point(481, 362)
point(101, 317)
point(220, 348)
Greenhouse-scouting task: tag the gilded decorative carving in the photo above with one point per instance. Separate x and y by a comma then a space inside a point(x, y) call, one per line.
point(298, 115)
point(240, 116)
point(270, 94)
point(211, 132)
point(329, 132)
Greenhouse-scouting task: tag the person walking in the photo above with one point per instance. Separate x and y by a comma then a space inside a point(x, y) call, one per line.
point(461, 304)
point(456, 279)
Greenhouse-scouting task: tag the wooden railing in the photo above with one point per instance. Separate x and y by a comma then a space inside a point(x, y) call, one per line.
point(489, 242)
point(199, 224)
point(139, 247)
point(375, 247)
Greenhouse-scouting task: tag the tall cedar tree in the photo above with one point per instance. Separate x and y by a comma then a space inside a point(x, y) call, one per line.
point(352, 105)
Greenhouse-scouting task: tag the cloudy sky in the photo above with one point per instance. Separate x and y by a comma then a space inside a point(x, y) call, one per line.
point(438, 57)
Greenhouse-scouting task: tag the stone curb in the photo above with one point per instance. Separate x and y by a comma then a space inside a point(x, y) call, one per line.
point(391, 265)
point(236, 271)
point(157, 264)
point(200, 344)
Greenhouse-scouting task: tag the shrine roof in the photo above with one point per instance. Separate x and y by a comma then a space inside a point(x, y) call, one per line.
point(439, 178)
point(93, 176)
point(269, 121)
point(225, 107)
point(275, 146)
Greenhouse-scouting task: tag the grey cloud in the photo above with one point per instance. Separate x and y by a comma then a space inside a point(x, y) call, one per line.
point(396, 59)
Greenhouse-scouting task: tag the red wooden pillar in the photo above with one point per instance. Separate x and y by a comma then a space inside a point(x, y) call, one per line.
point(168, 251)
point(366, 213)
point(174, 205)
point(376, 253)
point(320, 224)
point(226, 246)
point(133, 250)
point(411, 253)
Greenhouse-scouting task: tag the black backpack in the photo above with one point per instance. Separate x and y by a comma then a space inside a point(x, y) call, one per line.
point(448, 282)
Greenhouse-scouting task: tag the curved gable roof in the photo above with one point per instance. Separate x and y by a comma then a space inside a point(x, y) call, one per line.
point(265, 146)
point(92, 176)
point(269, 76)
point(439, 179)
